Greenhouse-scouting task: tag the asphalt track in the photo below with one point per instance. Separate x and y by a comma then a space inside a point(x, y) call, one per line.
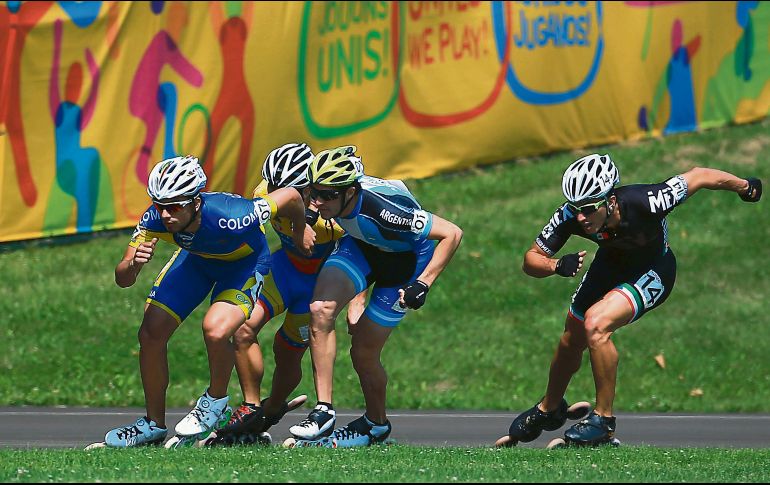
point(72, 427)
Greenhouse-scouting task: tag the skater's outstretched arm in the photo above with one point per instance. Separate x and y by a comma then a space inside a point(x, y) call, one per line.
point(698, 178)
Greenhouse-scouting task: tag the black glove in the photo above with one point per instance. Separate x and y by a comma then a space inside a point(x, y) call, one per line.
point(311, 217)
point(755, 190)
point(415, 294)
point(567, 266)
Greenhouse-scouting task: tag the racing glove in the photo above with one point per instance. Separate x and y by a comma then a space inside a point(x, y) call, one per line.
point(567, 266)
point(415, 294)
point(311, 217)
point(755, 190)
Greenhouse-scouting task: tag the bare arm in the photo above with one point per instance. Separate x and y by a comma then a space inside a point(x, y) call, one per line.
point(291, 205)
point(539, 265)
point(133, 260)
point(712, 179)
point(449, 237)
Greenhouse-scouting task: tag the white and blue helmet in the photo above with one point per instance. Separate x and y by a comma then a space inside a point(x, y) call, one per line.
point(175, 177)
point(287, 165)
point(590, 177)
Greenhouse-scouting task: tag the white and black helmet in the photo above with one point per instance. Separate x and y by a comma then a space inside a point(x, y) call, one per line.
point(175, 177)
point(286, 166)
point(590, 177)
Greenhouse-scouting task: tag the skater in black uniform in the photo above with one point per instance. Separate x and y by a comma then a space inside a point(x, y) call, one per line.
point(633, 272)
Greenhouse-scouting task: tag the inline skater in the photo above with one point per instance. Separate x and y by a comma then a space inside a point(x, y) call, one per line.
point(632, 273)
point(222, 247)
point(288, 288)
point(388, 243)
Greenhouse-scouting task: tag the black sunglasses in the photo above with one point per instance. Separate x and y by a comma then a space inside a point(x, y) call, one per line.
point(326, 195)
point(588, 208)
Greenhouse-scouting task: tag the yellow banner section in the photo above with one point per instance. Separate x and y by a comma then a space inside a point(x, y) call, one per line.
point(92, 94)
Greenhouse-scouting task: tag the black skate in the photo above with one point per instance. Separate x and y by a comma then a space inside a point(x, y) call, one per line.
point(273, 419)
point(244, 428)
point(530, 424)
point(247, 418)
point(249, 425)
point(594, 430)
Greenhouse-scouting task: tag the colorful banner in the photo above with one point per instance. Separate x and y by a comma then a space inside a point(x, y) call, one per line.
point(92, 94)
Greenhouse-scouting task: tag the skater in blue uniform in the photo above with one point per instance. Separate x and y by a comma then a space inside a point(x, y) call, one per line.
point(391, 243)
point(222, 251)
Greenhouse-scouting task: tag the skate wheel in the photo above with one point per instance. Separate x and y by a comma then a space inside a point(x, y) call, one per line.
point(289, 443)
point(579, 410)
point(207, 441)
point(96, 446)
point(171, 443)
point(264, 438)
point(556, 443)
point(615, 442)
point(297, 402)
point(506, 441)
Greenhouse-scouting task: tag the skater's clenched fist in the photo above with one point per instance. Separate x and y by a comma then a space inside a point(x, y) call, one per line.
point(145, 251)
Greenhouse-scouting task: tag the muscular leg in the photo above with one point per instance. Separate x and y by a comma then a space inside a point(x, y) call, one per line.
point(366, 348)
point(286, 377)
point(219, 325)
point(602, 319)
point(356, 308)
point(333, 290)
point(248, 355)
point(154, 334)
point(566, 362)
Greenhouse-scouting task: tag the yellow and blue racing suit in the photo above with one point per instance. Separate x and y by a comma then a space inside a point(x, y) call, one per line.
point(289, 286)
point(228, 254)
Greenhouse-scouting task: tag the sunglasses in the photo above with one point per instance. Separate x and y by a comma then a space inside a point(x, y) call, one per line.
point(586, 209)
point(171, 207)
point(325, 195)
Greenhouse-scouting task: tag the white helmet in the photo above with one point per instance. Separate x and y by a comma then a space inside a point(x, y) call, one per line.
point(590, 177)
point(175, 177)
point(286, 166)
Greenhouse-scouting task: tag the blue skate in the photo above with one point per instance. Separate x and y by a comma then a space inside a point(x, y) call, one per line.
point(594, 430)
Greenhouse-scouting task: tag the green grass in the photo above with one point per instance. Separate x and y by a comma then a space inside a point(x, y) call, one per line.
point(387, 464)
point(487, 333)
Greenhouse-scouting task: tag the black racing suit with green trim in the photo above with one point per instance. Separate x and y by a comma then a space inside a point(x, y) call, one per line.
point(635, 257)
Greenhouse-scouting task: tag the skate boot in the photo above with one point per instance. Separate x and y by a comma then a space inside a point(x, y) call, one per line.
point(273, 419)
point(318, 424)
point(360, 432)
point(208, 415)
point(142, 433)
point(592, 431)
point(530, 424)
point(244, 428)
point(248, 418)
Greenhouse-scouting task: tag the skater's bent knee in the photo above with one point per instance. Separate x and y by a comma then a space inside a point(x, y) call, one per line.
point(573, 341)
point(322, 311)
point(215, 335)
point(154, 334)
point(244, 337)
